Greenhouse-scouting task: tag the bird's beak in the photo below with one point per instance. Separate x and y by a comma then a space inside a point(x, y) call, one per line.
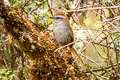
point(51, 17)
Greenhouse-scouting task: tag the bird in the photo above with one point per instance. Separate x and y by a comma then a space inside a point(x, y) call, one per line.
point(63, 32)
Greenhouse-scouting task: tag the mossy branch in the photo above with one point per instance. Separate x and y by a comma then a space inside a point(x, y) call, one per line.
point(46, 65)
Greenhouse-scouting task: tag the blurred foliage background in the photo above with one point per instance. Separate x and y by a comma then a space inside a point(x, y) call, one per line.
point(96, 26)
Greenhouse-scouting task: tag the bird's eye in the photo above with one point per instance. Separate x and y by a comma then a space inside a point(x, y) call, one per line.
point(58, 18)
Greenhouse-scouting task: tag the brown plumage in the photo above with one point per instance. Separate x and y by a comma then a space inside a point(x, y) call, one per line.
point(60, 13)
point(62, 31)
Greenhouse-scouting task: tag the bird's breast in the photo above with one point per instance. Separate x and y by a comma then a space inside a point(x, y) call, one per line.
point(62, 34)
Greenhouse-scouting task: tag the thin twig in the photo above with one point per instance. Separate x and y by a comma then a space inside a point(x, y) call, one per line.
point(100, 69)
point(105, 46)
point(68, 45)
point(96, 8)
point(49, 7)
point(37, 7)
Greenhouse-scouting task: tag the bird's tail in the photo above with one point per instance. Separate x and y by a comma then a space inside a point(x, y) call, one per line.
point(74, 52)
